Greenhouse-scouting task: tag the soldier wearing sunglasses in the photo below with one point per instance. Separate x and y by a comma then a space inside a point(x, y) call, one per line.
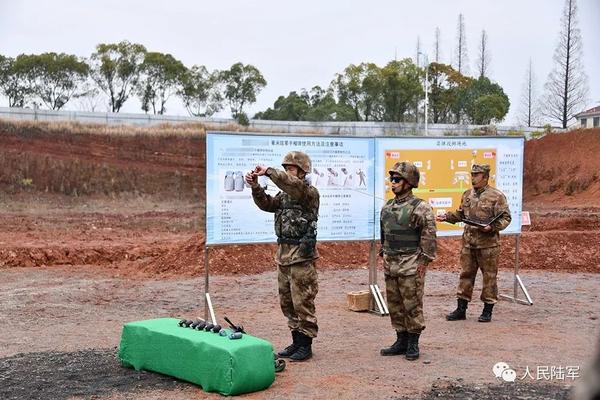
point(408, 238)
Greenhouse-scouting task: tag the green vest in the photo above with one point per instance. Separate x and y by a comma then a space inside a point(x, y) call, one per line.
point(399, 237)
point(296, 224)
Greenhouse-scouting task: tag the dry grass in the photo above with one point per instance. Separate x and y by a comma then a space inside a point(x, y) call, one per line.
point(83, 159)
point(76, 128)
point(78, 159)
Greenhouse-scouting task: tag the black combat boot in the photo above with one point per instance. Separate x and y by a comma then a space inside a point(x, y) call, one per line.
point(486, 314)
point(460, 312)
point(291, 349)
point(412, 349)
point(304, 350)
point(399, 346)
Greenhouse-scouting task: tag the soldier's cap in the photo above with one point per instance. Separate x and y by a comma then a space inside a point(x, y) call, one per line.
point(480, 168)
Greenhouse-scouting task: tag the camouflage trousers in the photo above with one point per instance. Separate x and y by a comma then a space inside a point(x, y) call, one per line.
point(470, 261)
point(298, 288)
point(405, 302)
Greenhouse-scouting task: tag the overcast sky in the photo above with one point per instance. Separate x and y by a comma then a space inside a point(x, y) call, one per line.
point(304, 43)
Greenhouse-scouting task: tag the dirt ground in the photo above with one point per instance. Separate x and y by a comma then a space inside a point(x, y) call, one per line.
point(60, 327)
point(74, 268)
point(87, 267)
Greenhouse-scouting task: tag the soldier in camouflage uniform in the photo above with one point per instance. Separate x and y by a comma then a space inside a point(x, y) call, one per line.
point(408, 237)
point(296, 209)
point(481, 244)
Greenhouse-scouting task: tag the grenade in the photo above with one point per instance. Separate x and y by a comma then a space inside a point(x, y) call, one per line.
point(201, 325)
point(235, 335)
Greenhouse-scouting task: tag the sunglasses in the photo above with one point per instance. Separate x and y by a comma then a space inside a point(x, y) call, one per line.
point(395, 179)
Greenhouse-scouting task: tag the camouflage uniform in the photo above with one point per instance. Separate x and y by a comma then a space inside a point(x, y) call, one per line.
point(296, 209)
point(481, 250)
point(404, 286)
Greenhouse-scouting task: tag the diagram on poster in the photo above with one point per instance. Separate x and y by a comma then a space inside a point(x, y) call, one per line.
point(445, 174)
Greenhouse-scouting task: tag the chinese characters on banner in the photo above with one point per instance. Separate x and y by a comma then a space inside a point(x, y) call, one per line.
point(350, 173)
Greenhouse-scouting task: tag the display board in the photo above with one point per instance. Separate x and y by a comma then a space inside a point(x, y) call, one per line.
point(351, 176)
point(445, 165)
point(342, 171)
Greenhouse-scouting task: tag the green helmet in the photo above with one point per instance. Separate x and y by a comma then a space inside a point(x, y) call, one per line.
point(298, 159)
point(408, 171)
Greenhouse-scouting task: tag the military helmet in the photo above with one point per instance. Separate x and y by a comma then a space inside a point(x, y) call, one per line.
point(481, 169)
point(298, 159)
point(408, 171)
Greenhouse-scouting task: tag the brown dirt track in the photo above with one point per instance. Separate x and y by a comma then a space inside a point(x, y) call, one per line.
point(108, 221)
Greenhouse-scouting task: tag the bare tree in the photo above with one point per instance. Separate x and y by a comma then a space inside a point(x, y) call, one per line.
point(418, 51)
point(462, 58)
point(567, 88)
point(437, 50)
point(484, 57)
point(529, 113)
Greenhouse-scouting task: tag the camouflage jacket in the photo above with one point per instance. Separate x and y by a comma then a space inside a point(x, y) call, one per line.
point(293, 191)
point(482, 204)
point(422, 221)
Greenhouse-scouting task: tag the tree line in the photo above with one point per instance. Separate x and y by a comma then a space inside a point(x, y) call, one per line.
point(122, 70)
point(361, 92)
point(395, 93)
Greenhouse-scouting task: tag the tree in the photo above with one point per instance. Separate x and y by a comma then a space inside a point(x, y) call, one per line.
point(324, 107)
point(116, 70)
point(483, 102)
point(201, 91)
point(446, 85)
point(484, 57)
point(401, 89)
point(316, 105)
point(437, 46)
point(418, 51)
point(242, 84)
point(359, 86)
point(90, 100)
point(13, 82)
point(294, 107)
point(54, 78)
point(161, 76)
point(529, 113)
point(462, 58)
point(566, 88)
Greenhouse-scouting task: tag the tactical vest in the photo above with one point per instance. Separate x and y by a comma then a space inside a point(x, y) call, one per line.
point(399, 237)
point(296, 224)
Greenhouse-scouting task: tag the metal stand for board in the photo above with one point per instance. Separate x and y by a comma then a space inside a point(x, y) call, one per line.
point(206, 295)
point(518, 283)
point(377, 303)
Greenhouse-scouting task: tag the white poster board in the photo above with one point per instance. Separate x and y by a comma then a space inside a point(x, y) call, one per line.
point(351, 176)
point(342, 171)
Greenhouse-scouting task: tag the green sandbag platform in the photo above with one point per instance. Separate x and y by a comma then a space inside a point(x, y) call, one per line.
point(214, 362)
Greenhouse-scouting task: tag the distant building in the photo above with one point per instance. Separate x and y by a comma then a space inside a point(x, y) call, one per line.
point(589, 118)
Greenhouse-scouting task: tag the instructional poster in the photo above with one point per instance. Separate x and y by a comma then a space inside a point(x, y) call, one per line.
point(445, 165)
point(342, 171)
